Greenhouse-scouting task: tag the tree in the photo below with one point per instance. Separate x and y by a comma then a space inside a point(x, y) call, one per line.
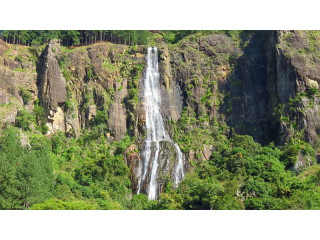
point(26, 175)
point(199, 193)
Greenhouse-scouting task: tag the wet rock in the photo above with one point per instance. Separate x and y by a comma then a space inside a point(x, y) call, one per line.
point(167, 162)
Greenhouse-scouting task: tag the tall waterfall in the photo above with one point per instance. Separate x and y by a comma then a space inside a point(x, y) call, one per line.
point(156, 132)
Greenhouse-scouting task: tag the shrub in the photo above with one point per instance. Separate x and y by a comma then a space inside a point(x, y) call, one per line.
point(26, 95)
point(24, 119)
point(311, 92)
point(41, 118)
point(57, 204)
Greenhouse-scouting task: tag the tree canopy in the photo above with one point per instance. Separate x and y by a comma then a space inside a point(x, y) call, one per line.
point(75, 37)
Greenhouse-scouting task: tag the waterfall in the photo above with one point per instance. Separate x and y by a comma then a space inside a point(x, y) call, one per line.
point(156, 132)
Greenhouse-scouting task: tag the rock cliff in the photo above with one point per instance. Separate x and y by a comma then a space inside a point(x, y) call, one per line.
point(260, 83)
point(17, 73)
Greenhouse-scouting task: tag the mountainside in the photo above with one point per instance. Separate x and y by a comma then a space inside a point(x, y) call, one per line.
point(243, 107)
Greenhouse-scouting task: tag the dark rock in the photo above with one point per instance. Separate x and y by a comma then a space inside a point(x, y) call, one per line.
point(52, 84)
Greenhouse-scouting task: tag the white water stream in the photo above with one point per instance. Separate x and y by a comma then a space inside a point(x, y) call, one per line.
point(155, 129)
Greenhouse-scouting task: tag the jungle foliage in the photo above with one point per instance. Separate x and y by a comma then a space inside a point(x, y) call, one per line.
point(90, 173)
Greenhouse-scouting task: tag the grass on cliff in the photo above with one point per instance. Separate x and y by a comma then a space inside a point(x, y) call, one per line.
point(174, 36)
point(305, 44)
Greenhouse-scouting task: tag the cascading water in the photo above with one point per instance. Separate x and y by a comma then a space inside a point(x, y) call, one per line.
point(155, 130)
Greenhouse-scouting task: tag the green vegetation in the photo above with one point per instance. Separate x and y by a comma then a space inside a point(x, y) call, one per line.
point(174, 36)
point(63, 67)
point(76, 38)
point(241, 174)
point(40, 118)
point(62, 173)
point(24, 119)
point(89, 172)
point(37, 118)
point(302, 44)
point(26, 95)
point(85, 37)
point(26, 176)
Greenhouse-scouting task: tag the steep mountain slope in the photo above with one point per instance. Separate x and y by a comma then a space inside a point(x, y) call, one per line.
point(214, 88)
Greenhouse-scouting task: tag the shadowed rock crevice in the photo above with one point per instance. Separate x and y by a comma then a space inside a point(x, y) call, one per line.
point(247, 103)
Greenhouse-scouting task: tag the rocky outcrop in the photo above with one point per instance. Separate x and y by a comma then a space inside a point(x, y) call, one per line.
point(56, 121)
point(134, 162)
point(171, 94)
point(302, 162)
point(207, 151)
point(117, 121)
point(267, 70)
point(17, 71)
point(74, 85)
point(52, 87)
point(298, 84)
point(247, 104)
point(272, 69)
point(200, 67)
point(52, 84)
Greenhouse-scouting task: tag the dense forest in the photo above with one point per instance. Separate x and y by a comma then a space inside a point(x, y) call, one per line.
point(88, 171)
point(77, 38)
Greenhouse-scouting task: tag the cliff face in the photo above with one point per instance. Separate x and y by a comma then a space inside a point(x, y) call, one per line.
point(75, 85)
point(52, 88)
point(249, 109)
point(17, 72)
point(250, 80)
point(264, 84)
point(201, 67)
point(298, 79)
point(52, 84)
